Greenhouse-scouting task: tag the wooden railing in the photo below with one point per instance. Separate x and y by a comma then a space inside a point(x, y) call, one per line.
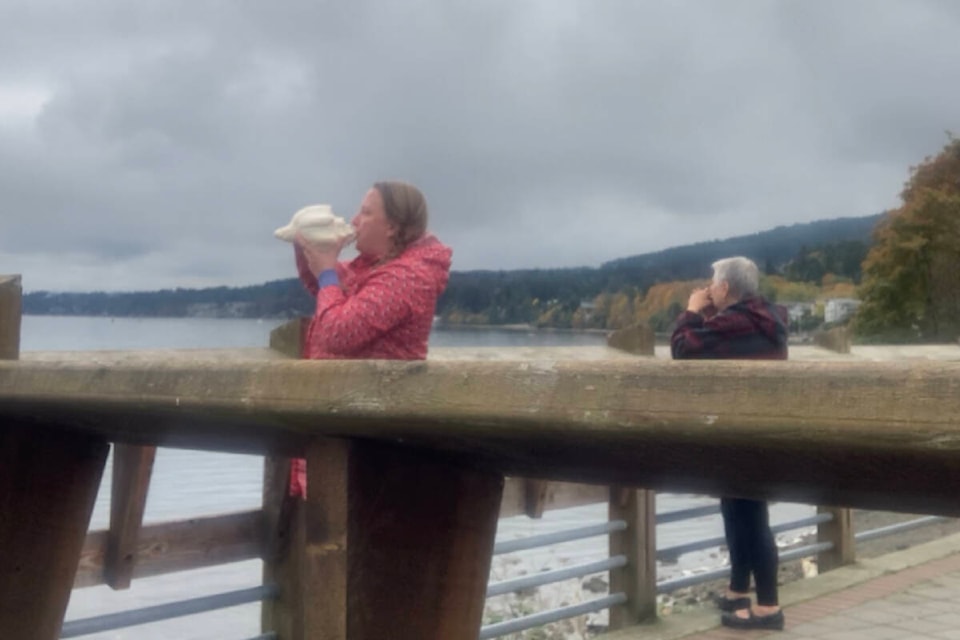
point(407, 460)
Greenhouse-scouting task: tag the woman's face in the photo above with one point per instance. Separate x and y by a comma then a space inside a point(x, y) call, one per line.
point(375, 232)
point(719, 290)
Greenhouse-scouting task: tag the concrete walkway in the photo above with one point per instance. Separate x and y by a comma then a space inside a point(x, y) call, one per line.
point(912, 594)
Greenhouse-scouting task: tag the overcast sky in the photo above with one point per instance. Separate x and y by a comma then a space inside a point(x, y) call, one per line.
point(159, 144)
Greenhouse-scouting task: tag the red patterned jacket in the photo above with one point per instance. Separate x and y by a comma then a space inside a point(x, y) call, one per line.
point(379, 311)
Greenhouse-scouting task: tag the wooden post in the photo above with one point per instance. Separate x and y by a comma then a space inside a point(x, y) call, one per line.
point(390, 543)
point(325, 578)
point(283, 520)
point(288, 337)
point(840, 532)
point(638, 339)
point(48, 486)
point(10, 314)
point(638, 580)
point(535, 496)
point(132, 467)
point(283, 552)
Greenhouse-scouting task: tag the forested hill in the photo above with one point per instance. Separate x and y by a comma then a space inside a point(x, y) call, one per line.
point(769, 249)
point(492, 297)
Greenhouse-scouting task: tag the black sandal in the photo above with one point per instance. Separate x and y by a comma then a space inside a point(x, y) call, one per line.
point(774, 621)
point(732, 604)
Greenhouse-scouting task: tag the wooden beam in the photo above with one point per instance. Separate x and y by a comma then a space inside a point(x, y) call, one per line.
point(48, 486)
point(132, 468)
point(169, 547)
point(873, 435)
point(556, 495)
point(10, 315)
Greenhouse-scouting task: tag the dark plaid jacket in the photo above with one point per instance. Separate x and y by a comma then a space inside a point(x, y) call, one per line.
point(750, 329)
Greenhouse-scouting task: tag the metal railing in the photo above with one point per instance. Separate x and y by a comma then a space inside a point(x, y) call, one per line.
point(109, 622)
point(168, 611)
point(666, 586)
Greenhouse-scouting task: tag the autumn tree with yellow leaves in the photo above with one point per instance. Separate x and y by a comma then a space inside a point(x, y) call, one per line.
point(911, 286)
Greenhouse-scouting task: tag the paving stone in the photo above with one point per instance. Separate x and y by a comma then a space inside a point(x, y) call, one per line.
point(914, 604)
point(877, 615)
point(921, 625)
point(843, 622)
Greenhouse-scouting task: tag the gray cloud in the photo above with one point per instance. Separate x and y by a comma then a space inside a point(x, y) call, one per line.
point(161, 143)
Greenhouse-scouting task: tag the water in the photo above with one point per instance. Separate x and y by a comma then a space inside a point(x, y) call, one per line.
point(190, 483)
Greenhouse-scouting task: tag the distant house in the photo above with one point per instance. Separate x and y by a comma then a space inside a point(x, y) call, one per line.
point(797, 310)
point(839, 309)
point(589, 308)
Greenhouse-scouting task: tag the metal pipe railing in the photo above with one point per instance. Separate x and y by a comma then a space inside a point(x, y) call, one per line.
point(567, 535)
point(553, 615)
point(897, 528)
point(109, 622)
point(687, 514)
point(557, 575)
point(171, 610)
point(707, 543)
point(716, 574)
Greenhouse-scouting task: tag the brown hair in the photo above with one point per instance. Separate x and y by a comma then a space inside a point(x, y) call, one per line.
point(406, 208)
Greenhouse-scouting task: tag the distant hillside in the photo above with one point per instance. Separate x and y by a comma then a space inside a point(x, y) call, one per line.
point(767, 248)
point(487, 297)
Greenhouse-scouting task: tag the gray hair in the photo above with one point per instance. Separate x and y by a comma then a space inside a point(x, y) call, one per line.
point(740, 273)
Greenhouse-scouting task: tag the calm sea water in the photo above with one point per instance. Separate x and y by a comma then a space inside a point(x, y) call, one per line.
point(190, 483)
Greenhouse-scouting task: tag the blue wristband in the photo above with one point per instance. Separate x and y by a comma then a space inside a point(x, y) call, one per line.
point(328, 277)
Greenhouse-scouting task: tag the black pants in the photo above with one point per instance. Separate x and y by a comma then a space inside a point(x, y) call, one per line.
point(746, 524)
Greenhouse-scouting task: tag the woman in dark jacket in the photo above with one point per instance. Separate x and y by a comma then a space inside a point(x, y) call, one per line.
point(730, 320)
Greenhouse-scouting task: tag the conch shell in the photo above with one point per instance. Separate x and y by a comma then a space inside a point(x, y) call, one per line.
point(317, 225)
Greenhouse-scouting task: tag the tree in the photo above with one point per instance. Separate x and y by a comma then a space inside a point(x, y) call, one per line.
point(910, 288)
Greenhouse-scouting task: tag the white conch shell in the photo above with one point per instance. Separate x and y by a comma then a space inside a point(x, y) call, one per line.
point(316, 224)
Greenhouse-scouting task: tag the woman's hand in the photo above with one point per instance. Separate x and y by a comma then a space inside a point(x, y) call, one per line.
point(699, 300)
point(319, 257)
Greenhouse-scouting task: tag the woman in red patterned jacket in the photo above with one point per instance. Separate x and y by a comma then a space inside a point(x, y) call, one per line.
point(381, 304)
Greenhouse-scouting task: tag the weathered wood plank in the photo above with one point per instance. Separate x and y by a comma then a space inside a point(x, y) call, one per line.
point(556, 495)
point(535, 494)
point(178, 546)
point(326, 521)
point(169, 547)
point(48, 485)
point(10, 315)
point(132, 468)
point(638, 580)
point(288, 338)
point(875, 435)
point(280, 515)
point(421, 534)
point(838, 531)
point(389, 543)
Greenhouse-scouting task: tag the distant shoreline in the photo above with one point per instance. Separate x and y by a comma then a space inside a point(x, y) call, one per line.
point(519, 328)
